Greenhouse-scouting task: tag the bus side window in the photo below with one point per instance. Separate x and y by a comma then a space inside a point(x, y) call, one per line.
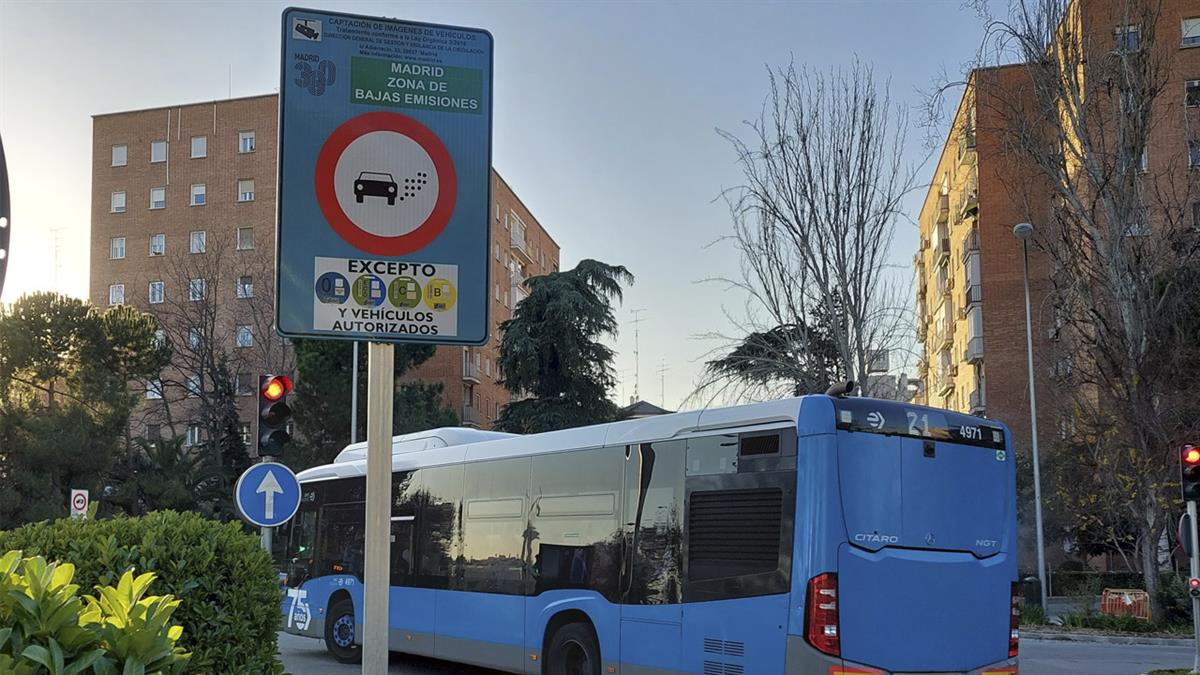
point(654, 492)
point(495, 502)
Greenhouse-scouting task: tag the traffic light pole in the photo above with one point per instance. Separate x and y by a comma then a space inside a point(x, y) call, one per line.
point(376, 581)
point(1194, 560)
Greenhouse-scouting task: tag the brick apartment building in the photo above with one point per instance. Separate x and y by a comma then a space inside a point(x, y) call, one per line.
point(970, 304)
point(183, 226)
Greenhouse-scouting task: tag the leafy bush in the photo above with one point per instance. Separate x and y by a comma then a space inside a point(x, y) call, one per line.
point(1176, 603)
point(1123, 624)
point(1032, 614)
point(230, 591)
point(49, 629)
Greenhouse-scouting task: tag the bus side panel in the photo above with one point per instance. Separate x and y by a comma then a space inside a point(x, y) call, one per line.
point(483, 629)
point(305, 607)
point(820, 525)
point(749, 633)
point(541, 609)
point(411, 621)
point(650, 638)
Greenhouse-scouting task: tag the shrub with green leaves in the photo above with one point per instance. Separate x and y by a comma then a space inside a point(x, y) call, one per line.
point(48, 628)
point(228, 587)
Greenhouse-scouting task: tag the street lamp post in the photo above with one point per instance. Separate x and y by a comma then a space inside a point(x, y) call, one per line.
point(1024, 231)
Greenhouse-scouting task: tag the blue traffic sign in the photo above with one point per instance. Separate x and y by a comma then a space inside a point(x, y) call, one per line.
point(267, 494)
point(385, 132)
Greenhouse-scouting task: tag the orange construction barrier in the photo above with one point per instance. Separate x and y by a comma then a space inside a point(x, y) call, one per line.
point(1125, 602)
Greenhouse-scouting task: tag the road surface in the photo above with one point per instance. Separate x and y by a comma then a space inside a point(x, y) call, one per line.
point(307, 656)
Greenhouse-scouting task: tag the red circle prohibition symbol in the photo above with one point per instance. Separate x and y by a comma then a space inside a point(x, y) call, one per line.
point(327, 160)
point(80, 502)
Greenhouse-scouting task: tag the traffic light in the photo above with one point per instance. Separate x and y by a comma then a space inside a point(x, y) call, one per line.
point(273, 414)
point(1189, 471)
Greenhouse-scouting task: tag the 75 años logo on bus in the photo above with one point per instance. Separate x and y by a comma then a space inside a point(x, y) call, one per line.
point(299, 614)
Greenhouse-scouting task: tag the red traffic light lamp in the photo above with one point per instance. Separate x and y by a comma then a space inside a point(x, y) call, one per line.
point(1189, 472)
point(273, 414)
point(275, 387)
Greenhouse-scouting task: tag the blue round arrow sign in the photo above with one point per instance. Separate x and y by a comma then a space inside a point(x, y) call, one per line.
point(267, 494)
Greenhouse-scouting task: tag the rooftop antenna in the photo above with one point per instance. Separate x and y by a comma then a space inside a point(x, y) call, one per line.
point(636, 370)
point(662, 382)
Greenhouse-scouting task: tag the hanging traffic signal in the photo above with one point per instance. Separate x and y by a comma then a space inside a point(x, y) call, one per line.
point(273, 414)
point(1189, 472)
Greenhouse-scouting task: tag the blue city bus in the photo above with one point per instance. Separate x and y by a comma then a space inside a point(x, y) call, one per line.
point(810, 535)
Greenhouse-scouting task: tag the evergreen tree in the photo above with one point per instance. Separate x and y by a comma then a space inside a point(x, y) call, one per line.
point(322, 400)
point(551, 349)
point(65, 401)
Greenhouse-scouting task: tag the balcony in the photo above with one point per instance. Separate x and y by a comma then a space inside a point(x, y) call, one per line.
point(968, 198)
point(970, 243)
point(471, 416)
point(518, 292)
point(922, 368)
point(974, 351)
point(966, 146)
point(921, 331)
point(946, 380)
point(975, 400)
point(516, 231)
point(942, 210)
point(945, 285)
point(470, 372)
point(972, 295)
point(943, 338)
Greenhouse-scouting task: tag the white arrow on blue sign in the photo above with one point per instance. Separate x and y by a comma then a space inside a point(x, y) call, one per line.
point(267, 494)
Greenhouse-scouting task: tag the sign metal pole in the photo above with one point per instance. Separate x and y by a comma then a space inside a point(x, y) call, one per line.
point(1194, 562)
point(380, 386)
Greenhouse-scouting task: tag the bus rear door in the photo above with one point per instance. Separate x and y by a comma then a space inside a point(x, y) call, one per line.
point(924, 580)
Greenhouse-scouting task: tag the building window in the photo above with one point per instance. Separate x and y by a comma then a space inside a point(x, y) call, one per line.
point(117, 204)
point(160, 337)
point(158, 151)
point(158, 198)
point(116, 248)
point(199, 241)
point(153, 432)
point(199, 147)
point(245, 238)
point(198, 194)
point(245, 336)
point(192, 386)
point(244, 386)
point(196, 288)
point(1193, 153)
point(1125, 39)
point(244, 433)
point(193, 435)
point(245, 141)
point(154, 389)
point(1196, 216)
point(245, 287)
point(156, 292)
point(195, 337)
point(120, 155)
point(158, 244)
point(116, 294)
point(497, 292)
point(245, 190)
point(1191, 32)
point(1191, 93)
point(496, 248)
point(1144, 160)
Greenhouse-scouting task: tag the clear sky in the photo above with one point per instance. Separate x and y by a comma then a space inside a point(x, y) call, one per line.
point(605, 118)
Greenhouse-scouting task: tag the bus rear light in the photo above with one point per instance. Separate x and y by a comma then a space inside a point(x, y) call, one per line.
point(821, 614)
point(1014, 623)
point(848, 670)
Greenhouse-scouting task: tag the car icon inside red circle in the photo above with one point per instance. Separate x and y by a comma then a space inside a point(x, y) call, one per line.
point(375, 184)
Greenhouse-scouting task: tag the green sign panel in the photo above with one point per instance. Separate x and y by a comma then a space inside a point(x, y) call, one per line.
point(400, 84)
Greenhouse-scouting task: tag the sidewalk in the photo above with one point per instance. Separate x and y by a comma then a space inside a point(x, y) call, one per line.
point(1102, 638)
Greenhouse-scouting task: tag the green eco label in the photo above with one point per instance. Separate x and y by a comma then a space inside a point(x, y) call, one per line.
point(404, 292)
point(416, 85)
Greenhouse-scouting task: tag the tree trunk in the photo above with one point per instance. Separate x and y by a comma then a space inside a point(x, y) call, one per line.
point(1149, 531)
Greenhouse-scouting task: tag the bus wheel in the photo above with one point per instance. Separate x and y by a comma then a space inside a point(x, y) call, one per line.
point(573, 651)
point(339, 632)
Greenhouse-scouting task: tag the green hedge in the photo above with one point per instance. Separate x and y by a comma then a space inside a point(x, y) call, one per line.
point(229, 588)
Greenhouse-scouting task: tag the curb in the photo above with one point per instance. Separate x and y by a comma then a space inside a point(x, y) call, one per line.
point(1105, 639)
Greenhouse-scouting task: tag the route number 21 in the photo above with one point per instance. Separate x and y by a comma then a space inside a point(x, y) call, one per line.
point(918, 425)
